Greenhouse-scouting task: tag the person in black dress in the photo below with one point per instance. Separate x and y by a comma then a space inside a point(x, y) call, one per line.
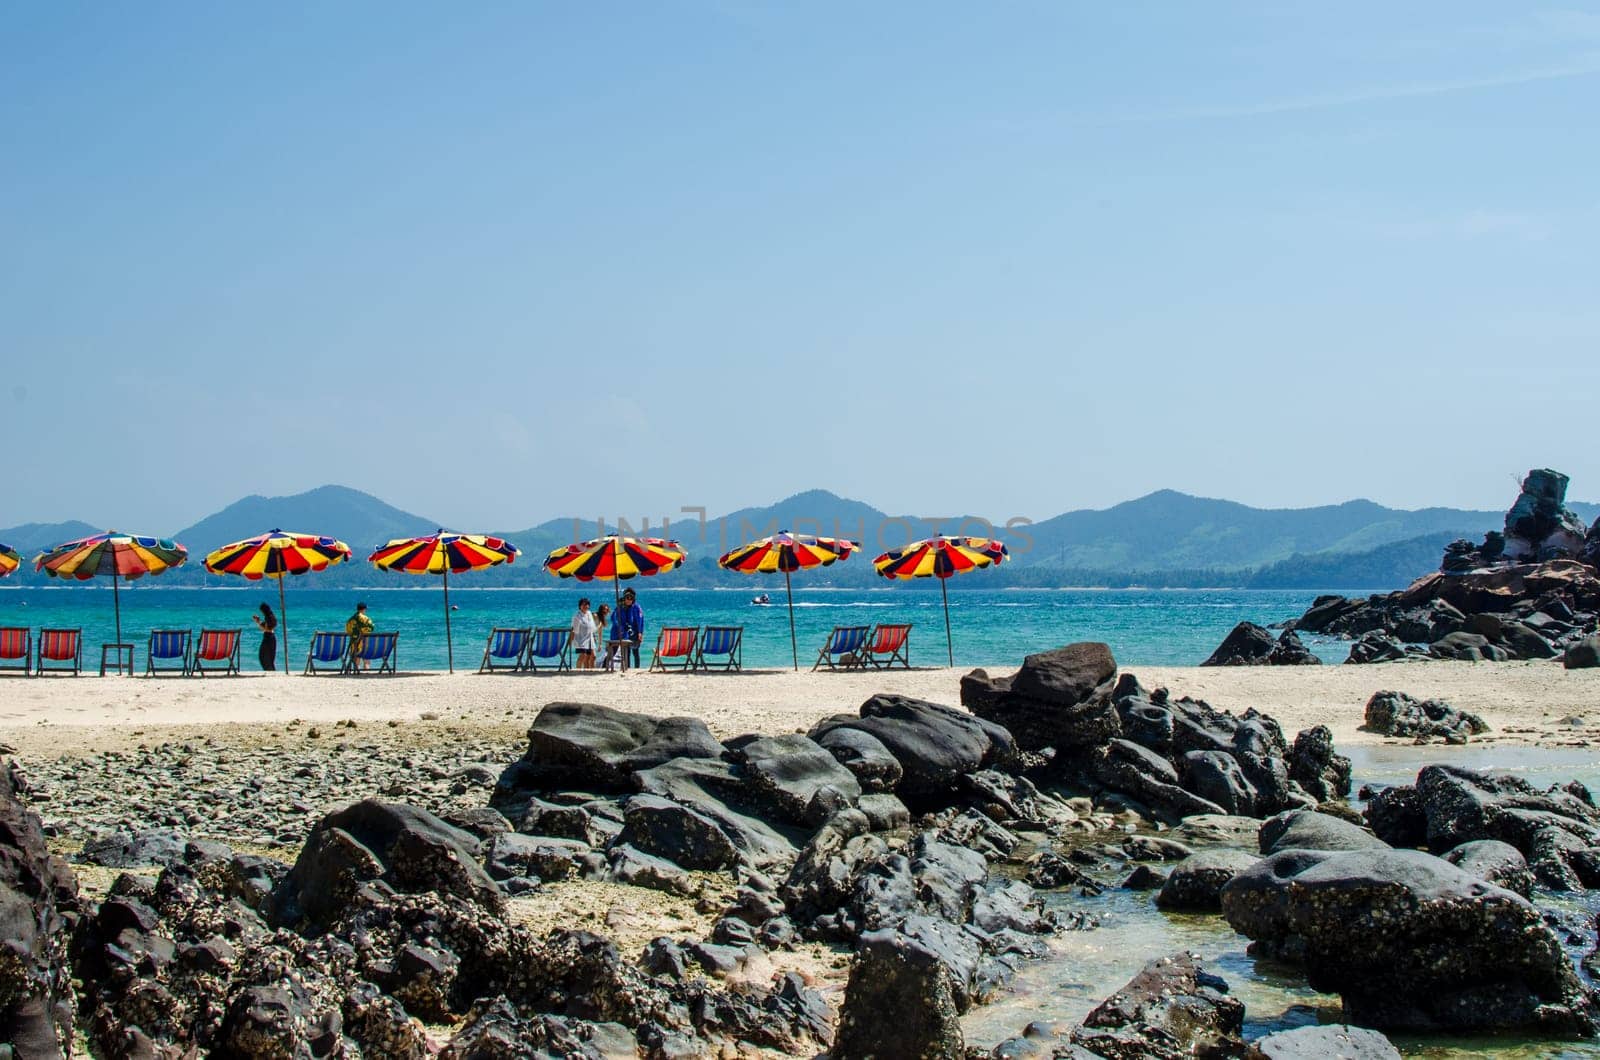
point(268, 624)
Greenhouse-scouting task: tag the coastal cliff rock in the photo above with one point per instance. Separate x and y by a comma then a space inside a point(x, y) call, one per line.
point(38, 911)
point(1410, 942)
point(1251, 645)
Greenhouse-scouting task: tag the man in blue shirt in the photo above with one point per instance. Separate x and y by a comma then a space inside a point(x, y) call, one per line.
point(627, 623)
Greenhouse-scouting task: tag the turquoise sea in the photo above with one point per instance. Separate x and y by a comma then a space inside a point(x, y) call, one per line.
point(990, 627)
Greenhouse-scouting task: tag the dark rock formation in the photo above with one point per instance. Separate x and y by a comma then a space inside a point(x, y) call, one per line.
point(1397, 714)
point(1539, 525)
point(1195, 883)
point(1057, 699)
point(1583, 655)
point(1310, 830)
point(716, 791)
point(1500, 863)
point(584, 746)
point(795, 779)
point(1313, 764)
point(1410, 942)
point(900, 1001)
point(935, 745)
point(1333, 1041)
point(1251, 645)
point(38, 911)
point(1172, 1010)
point(863, 754)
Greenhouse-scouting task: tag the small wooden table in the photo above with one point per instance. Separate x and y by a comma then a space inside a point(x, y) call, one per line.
point(121, 663)
point(621, 650)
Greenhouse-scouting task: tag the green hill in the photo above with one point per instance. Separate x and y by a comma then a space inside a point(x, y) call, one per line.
point(32, 538)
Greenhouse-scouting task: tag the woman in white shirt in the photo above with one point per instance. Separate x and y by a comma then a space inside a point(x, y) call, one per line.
point(584, 632)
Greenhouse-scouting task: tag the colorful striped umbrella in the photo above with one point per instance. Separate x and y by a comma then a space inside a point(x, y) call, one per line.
point(275, 554)
point(788, 553)
point(9, 560)
point(444, 554)
point(615, 558)
point(942, 558)
point(119, 555)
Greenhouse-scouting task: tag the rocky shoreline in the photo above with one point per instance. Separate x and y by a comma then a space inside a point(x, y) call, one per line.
point(789, 890)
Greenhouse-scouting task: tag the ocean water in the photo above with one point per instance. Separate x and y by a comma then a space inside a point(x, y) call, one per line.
point(988, 627)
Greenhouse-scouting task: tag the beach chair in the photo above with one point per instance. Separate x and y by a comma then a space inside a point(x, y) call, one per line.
point(506, 649)
point(553, 644)
point(675, 648)
point(889, 645)
point(726, 641)
point(842, 649)
point(327, 652)
point(376, 648)
point(63, 646)
point(16, 649)
point(167, 646)
point(215, 649)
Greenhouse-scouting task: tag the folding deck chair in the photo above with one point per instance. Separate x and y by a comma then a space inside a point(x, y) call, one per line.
point(63, 646)
point(167, 646)
point(549, 643)
point(726, 641)
point(16, 649)
point(844, 643)
point(372, 648)
point(889, 646)
point(675, 648)
point(215, 650)
point(506, 649)
point(327, 652)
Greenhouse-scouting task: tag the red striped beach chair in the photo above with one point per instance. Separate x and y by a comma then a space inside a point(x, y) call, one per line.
point(724, 641)
point(167, 647)
point(216, 649)
point(842, 649)
point(16, 649)
point(551, 643)
point(889, 645)
point(675, 648)
point(327, 652)
point(506, 649)
point(63, 646)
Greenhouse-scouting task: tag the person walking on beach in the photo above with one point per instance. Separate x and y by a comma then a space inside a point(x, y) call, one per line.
point(267, 622)
point(584, 632)
point(358, 626)
point(628, 624)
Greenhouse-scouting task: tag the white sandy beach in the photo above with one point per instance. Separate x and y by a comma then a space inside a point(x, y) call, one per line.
point(1524, 702)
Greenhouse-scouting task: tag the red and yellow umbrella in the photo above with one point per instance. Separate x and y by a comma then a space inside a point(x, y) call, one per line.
point(119, 555)
point(9, 560)
point(276, 554)
point(615, 558)
point(942, 558)
point(787, 552)
point(444, 553)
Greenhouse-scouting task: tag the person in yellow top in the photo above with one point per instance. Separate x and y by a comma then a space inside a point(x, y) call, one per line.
point(359, 625)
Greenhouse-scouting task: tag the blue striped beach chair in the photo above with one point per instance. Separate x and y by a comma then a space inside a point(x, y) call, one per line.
point(552, 644)
point(372, 648)
point(168, 652)
point(327, 652)
point(842, 651)
point(506, 649)
point(724, 641)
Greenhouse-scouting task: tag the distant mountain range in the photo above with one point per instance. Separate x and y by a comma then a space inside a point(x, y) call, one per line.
point(1166, 539)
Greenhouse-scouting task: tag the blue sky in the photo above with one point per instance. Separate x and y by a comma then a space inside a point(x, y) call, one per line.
point(503, 262)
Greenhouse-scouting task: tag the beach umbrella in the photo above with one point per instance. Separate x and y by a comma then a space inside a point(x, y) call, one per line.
point(615, 558)
point(942, 558)
point(275, 554)
point(119, 555)
point(787, 552)
point(9, 560)
point(445, 554)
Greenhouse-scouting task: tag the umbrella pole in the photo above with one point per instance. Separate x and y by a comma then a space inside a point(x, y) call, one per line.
point(794, 645)
point(949, 646)
point(116, 600)
point(449, 644)
point(283, 609)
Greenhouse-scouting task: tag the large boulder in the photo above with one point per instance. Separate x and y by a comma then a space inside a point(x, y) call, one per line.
point(863, 754)
point(900, 1002)
point(588, 747)
point(1057, 699)
point(1467, 647)
point(1539, 525)
point(1140, 773)
point(1397, 714)
point(1195, 883)
point(1172, 1010)
point(671, 830)
point(796, 779)
point(405, 848)
point(1410, 942)
point(935, 745)
point(1251, 645)
point(1310, 830)
point(1500, 863)
point(1585, 654)
point(1558, 831)
point(716, 791)
point(1313, 764)
point(1328, 1041)
point(38, 910)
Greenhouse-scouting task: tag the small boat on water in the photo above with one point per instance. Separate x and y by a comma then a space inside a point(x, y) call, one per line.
point(761, 600)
